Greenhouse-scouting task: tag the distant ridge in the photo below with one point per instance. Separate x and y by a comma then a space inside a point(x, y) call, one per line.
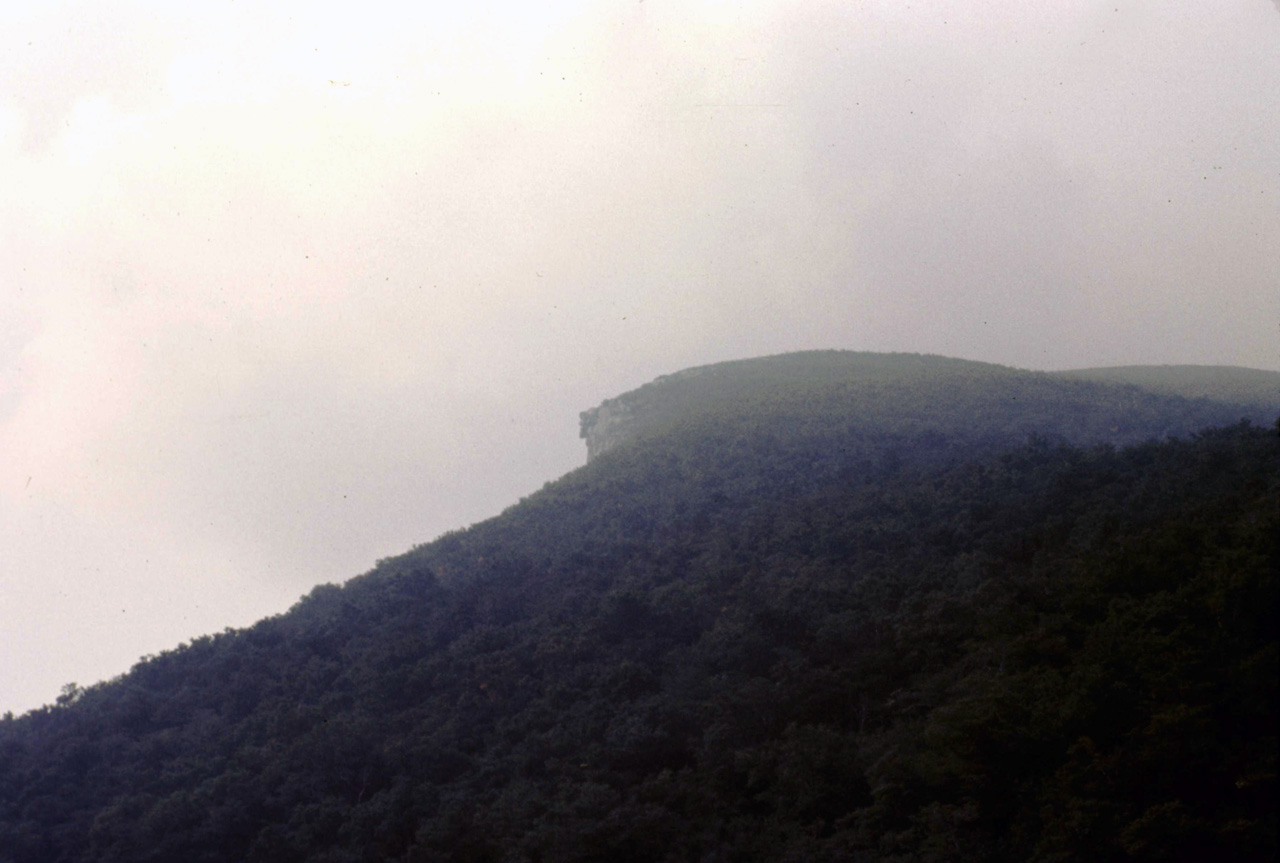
point(1220, 383)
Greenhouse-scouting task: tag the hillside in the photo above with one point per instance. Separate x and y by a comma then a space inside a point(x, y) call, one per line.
point(814, 607)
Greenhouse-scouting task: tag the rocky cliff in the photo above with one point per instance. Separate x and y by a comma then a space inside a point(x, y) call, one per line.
point(606, 426)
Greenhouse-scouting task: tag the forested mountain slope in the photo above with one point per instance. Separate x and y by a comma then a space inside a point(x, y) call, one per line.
point(752, 634)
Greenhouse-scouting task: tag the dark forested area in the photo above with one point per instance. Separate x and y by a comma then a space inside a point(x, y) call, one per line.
point(739, 639)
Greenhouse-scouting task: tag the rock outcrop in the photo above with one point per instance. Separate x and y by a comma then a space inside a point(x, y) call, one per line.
point(606, 426)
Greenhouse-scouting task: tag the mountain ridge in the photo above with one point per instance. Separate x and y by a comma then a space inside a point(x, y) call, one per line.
point(838, 379)
point(1237, 384)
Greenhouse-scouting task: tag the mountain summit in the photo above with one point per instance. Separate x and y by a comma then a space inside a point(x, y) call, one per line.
point(891, 392)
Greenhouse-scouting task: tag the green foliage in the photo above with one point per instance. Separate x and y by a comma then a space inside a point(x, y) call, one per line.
point(746, 637)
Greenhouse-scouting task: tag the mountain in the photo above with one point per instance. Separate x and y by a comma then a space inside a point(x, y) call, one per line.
point(822, 606)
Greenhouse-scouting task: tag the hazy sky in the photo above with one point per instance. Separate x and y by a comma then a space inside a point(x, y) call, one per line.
point(288, 287)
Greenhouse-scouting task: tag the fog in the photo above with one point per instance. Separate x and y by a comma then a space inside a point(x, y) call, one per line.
point(286, 288)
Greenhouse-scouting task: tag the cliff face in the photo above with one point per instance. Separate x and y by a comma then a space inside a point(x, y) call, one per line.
point(606, 426)
point(627, 416)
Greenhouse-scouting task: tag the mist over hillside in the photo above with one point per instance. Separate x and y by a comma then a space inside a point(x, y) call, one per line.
point(826, 606)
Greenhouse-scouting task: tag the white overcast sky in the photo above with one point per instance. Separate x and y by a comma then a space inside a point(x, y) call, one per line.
point(288, 287)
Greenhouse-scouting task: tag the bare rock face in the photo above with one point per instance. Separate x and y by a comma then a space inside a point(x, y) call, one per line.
point(633, 414)
point(606, 426)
